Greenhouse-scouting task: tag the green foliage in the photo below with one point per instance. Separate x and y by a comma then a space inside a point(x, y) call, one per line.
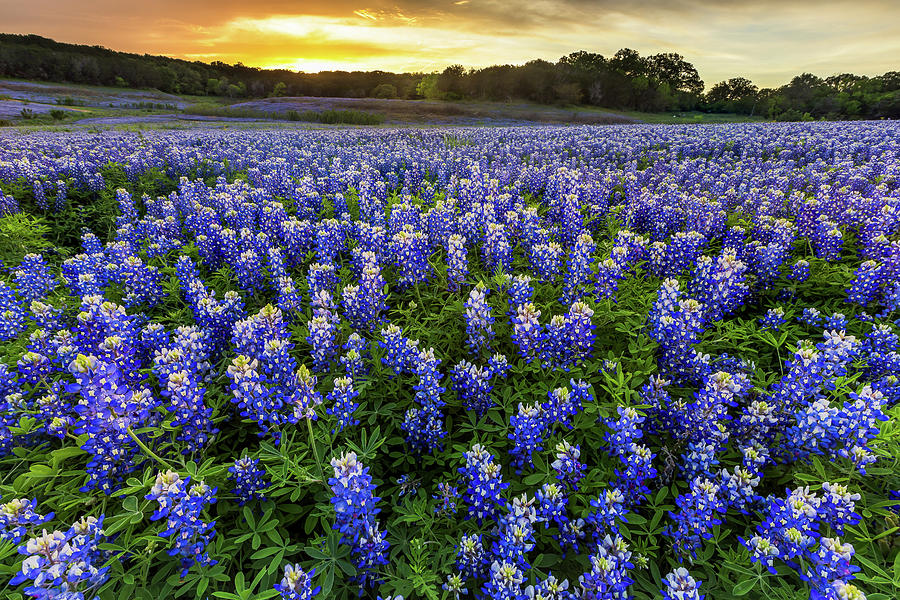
point(384, 90)
point(280, 89)
point(255, 541)
point(353, 117)
point(21, 233)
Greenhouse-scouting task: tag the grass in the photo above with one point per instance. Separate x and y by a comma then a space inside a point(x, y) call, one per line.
point(353, 111)
point(689, 117)
point(352, 117)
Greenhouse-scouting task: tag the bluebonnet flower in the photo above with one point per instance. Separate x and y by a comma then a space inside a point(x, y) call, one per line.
point(182, 506)
point(321, 339)
point(766, 261)
point(636, 458)
point(249, 480)
point(142, 283)
point(495, 248)
point(254, 399)
point(457, 261)
point(552, 504)
point(304, 398)
point(356, 358)
point(321, 277)
point(529, 429)
point(341, 403)
point(498, 365)
point(423, 425)
point(65, 564)
point(400, 351)
point(356, 509)
point(447, 496)
point(550, 588)
point(330, 240)
point(568, 466)
point(561, 405)
point(607, 510)
point(836, 322)
point(33, 279)
point(372, 298)
point(699, 459)
point(455, 586)
point(702, 420)
point(484, 484)
point(471, 558)
point(676, 324)
point(479, 321)
point(248, 270)
point(791, 531)
point(8, 205)
point(837, 350)
point(515, 537)
point(698, 512)
point(12, 315)
point(545, 261)
point(107, 411)
point(578, 271)
point(297, 584)
point(527, 331)
point(289, 300)
point(189, 412)
point(827, 240)
point(473, 385)
point(609, 273)
point(681, 586)
point(504, 582)
point(568, 339)
point(609, 575)
point(46, 316)
point(683, 250)
point(811, 316)
point(18, 518)
point(579, 332)
point(738, 488)
point(408, 484)
point(409, 250)
point(520, 292)
point(800, 271)
point(773, 319)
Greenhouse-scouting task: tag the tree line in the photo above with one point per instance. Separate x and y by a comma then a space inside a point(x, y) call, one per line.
point(627, 81)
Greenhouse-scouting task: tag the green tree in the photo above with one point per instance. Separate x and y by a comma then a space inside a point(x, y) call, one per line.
point(279, 90)
point(427, 87)
point(384, 90)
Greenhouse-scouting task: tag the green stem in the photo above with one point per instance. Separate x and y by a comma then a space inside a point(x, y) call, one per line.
point(148, 451)
point(315, 449)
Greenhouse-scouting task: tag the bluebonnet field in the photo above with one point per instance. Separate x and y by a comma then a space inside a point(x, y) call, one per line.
point(535, 363)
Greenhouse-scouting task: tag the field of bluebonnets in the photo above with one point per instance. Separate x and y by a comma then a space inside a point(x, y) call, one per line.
point(534, 363)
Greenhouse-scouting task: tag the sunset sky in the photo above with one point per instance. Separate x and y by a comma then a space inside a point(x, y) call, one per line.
point(767, 41)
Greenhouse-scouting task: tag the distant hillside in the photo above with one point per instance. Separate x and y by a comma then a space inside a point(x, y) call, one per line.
point(43, 59)
point(663, 82)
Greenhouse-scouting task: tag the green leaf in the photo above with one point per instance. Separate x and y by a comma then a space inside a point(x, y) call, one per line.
point(315, 553)
point(533, 478)
point(742, 588)
point(264, 552)
point(635, 519)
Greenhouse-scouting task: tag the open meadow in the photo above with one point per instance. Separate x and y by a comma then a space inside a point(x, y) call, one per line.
point(510, 363)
